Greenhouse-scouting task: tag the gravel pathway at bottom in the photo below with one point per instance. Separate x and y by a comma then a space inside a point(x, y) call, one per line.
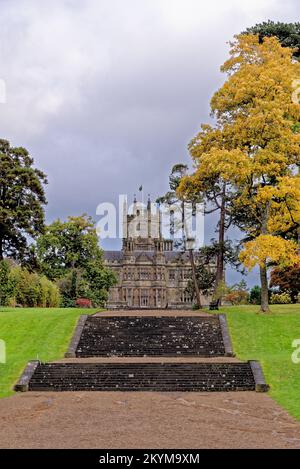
point(145, 420)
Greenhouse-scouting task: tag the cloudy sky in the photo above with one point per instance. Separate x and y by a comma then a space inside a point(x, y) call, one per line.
point(106, 94)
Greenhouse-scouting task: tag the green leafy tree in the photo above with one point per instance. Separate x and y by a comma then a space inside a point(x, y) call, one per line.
point(73, 286)
point(231, 251)
point(7, 286)
point(100, 279)
point(67, 245)
point(288, 34)
point(205, 280)
point(171, 197)
point(69, 252)
point(22, 199)
point(255, 295)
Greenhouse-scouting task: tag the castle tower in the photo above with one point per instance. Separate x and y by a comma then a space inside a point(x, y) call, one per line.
point(150, 274)
point(142, 228)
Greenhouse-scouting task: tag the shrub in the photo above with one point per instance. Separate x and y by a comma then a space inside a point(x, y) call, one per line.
point(255, 295)
point(54, 298)
point(237, 297)
point(236, 294)
point(91, 284)
point(83, 303)
point(280, 298)
point(27, 289)
point(49, 294)
point(7, 286)
point(71, 287)
point(67, 302)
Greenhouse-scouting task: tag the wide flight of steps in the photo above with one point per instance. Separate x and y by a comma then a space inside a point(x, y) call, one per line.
point(143, 377)
point(118, 339)
point(138, 336)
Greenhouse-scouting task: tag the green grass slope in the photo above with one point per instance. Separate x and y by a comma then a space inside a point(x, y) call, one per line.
point(268, 338)
point(34, 333)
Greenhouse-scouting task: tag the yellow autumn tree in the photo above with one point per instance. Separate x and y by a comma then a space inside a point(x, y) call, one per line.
point(255, 150)
point(273, 248)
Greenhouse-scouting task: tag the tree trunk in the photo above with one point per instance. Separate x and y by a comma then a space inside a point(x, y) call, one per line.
point(183, 233)
point(264, 305)
point(220, 260)
point(221, 239)
point(197, 291)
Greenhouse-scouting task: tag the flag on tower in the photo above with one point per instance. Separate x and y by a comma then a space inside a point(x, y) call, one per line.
point(140, 188)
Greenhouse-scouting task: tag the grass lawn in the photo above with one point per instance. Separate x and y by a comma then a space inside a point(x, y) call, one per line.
point(268, 338)
point(31, 333)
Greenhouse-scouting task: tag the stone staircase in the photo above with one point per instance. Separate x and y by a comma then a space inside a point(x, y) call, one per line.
point(187, 348)
point(142, 377)
point(151, 336)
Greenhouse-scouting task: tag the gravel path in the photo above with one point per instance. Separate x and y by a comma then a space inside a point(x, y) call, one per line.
point(145, 420)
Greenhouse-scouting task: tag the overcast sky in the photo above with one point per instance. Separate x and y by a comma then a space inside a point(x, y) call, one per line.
point(106, 94)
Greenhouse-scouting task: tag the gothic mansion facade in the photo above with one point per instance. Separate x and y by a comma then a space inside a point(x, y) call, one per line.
point(150, 273)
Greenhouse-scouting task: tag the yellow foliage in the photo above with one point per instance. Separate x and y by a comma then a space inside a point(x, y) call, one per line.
point(284, 203)
point(260, 76)
point(268, 248)
point(255, 146)
point(229, 165)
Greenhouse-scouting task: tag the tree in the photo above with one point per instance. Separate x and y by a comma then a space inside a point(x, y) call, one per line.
point(287, 280)
point(230, 254)
point(171, 197)
point(288, 34)
point(255, 295)
point(6, 286)
point(22, 198)
point(69, 252)
point(266, 250)
point(205, 281)
point(255, 148)
point(256, 103)
point(212, 187)
point(66, 245)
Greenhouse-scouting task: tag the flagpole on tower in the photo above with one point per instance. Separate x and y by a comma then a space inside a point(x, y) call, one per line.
point(142, 191)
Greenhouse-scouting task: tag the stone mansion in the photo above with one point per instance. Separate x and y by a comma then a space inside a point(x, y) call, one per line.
point(150, 273)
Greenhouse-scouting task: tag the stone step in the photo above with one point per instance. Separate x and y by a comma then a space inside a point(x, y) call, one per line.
point(142, 377)
point(151, 336)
